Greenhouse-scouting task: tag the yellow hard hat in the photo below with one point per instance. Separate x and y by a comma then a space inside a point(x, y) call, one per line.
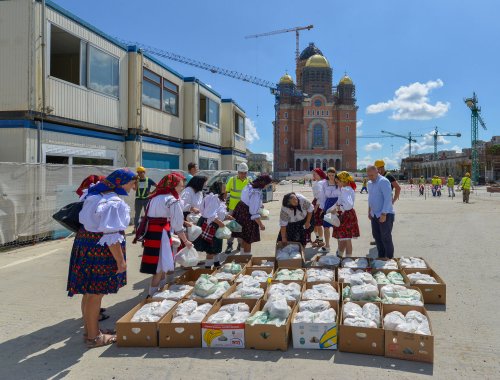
point(379, 163)
point(141, 169)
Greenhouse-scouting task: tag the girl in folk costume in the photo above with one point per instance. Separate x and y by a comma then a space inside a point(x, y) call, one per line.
point(98, 263)
point(329, 193)
point(247, 213)
point(344, 207)
point(88, 182)
point(213, 212)
point(164, 213)
point(192, 195)
point(319, 177)
point(295, 219)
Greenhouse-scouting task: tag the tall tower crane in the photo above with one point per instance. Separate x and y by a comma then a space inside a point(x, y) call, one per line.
point(409, 138)
point(435, 136)
point(296, 30)
point(475, 118)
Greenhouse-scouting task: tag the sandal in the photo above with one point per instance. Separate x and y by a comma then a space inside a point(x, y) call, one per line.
point(102, 331)
point(321, 243)
point(101, 340)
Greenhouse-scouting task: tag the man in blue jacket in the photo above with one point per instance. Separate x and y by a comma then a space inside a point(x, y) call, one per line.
point(380, 211)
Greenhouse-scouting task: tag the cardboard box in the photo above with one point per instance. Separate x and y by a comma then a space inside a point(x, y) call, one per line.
point(288, 281)
point(269, 337)
point(235, 275)
point(315, 263)
point(409, 287)
point(362, 340)
point(256, 261)
point(341, 280)
point(309, 285)
point(214, 335)
point(386, 271)
point(316, 336)
point(432, 293)
point(232, 289)
point(240, 259)
point(184, 335)
point(384, 259)
point(334, 271)
point(138, 334)
point(166, 287)
point(249, 269)
point(269, 286)
point(292, 263)
point(408, 346)
point(196, 298)
point(191, 275)
point(357, 257)
point(426, 263)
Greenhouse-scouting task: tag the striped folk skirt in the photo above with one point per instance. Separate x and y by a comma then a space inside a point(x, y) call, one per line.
point(152, 244)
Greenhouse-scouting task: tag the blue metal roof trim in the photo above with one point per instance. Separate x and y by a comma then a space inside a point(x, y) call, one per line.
point(154, 140)
point(236, 104)
point(196, 80)
point(202, 147)
point(83, 23)
point(163, 65)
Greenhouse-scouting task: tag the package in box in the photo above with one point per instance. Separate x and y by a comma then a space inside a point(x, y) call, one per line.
point(232, 289)
point(249, 270)
point(432, 293)
point(408, 346)
point(335, 285)
point(387, 271)
point(138, 334)
point(290, 263)
point(368, 260)
point(303, 279)
point(224, 335)
point(267, 336)
point(183, 335)
point(316, 336)
point(270, 285)
point(191, 275)
point(257, 261)
point(421, 258)
point(361, 340)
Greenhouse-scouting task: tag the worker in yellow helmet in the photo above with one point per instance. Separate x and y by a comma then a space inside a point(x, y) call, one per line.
point(465, 185)
point(450, 184)
point(234, 187)
point(144, 185)
point(421, 185)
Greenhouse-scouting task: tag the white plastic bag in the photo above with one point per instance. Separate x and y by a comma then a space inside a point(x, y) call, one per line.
point(332, 219)
point(193, 232)
point(223, 233)
point(193, 218)
point(187, 257)
point(264, 213)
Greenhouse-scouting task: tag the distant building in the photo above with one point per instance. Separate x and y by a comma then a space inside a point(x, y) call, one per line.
point(258, 162)
point(88, 99)
point(317, 129)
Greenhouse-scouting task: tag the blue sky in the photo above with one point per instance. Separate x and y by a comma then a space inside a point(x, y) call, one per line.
point(413, 62)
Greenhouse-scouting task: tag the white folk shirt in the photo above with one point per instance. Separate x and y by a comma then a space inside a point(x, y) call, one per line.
point(213, 208)
point(106, 213)
point(346, 198)
point(289, 215)
point(253, 199)
point(327, 191)
point(316, 188)
point(191, 199)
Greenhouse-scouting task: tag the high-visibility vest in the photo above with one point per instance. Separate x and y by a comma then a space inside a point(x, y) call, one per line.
point(451, 182)
point(466, 183)
point(142, 192)
point(235, 190)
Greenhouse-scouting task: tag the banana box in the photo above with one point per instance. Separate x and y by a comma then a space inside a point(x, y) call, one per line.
point(225, 335)
point(316, 336)
point(263, 261)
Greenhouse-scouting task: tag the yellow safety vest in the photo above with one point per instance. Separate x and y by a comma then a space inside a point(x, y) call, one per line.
point(142, 192)
point(234, 187)
point(451, 182)
point(466, 183)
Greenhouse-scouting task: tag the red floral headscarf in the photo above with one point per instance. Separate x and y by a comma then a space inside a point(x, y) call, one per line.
point(87, 182)
point(320, 172)
point(167, 185)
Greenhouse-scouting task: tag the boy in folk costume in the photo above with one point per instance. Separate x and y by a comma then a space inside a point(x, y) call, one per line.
point(319, 177)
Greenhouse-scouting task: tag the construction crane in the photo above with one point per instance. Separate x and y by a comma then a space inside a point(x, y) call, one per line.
point(435, 136)
point(409, 138)
point(296, 30)
point(474, 120)
point(273, 87)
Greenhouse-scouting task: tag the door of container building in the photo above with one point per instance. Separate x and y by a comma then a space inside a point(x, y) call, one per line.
point(160, 161)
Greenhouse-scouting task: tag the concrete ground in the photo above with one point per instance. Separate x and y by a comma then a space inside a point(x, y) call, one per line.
point(40, 337)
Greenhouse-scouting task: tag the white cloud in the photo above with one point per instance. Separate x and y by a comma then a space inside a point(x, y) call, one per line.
point(373, 146)
point(364, 162)
point(425, 145)
point(359, 123)
point(456, 148)
point(251, 133)
point(412, 103)
point(270, 156)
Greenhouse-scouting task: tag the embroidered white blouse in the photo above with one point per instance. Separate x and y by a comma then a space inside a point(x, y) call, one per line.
point(346, 198)
point(327, 191)
point(288, 215)
point(166, 206)
point(316, 188)
point(191, 199)
point(106, 213)
point(213, 208)
point(253, 199)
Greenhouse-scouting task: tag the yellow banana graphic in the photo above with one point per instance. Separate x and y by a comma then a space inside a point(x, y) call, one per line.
point(210, 335)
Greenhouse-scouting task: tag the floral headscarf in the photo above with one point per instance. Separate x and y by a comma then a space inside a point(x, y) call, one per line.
point(167, 185)
point(114, 182)
point(345, 177)
point(88, 182)
point(320, 172)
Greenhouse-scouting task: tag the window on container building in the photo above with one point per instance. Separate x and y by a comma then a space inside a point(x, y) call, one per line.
point(239, 124)
point(67, 61)
point(208, 164)
point(170, 97)
point(151, 89)
point(209, 111)
point(103, 72)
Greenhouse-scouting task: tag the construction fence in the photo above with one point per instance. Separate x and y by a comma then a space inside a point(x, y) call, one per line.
point(31, 193)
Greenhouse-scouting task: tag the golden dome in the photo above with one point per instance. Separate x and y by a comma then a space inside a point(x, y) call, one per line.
point(317, 60)
point(346, 80)
point(286, 79)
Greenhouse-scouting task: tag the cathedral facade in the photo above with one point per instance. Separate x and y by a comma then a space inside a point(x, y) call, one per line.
point(316, 121)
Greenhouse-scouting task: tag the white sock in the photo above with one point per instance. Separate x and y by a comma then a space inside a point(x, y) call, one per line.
point(162, 283)
point(152, 290)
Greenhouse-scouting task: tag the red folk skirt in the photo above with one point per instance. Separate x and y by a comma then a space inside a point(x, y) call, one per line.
point(349, 227)
point(152, 244)
point(318, 214)
point(250, 232)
